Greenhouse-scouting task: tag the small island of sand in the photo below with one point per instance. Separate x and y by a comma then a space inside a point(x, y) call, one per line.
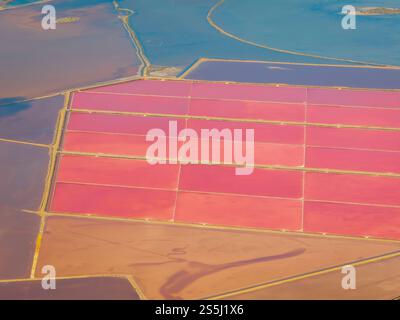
point(377, 11)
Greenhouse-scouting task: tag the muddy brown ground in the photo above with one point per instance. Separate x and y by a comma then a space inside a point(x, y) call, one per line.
point(111, 288)
point(379, 280)
point(23, 170)
point(37, 62)
point(182, 262)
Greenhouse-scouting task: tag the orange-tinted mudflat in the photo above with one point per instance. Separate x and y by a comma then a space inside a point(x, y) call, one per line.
point(354, 157)
point(96, 288)
point(195, 262)
point(375, 281)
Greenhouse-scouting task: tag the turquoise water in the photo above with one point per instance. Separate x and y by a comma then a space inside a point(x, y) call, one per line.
point(18, 2)
point(314, 27)
point(64, 4)
point(176, 32)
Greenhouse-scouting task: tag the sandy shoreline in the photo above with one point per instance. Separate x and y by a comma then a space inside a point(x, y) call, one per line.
point(377, 11)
